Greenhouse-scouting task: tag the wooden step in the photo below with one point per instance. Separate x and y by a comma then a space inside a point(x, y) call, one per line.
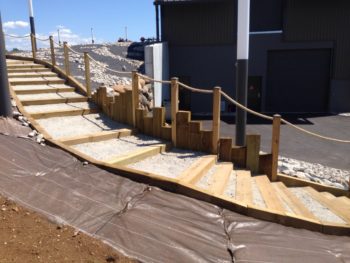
point(41, 91)
point(63, 113)
point(220, 178)
point(15, 61)
point(244, 192)
point(292, 201)
point(340, 211)
point(197, 169)
point(268, 193)
point(53, 101)
point(137, 155)
point(24, 66)
point(32, 74)
point(327, 195)
point(97, 137)
point(36, 81)
point(22, 70)
point(345, 200)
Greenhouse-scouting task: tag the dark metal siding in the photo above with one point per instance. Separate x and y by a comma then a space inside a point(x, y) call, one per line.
point(322, 20)
point(199, 24)
point(266, 15)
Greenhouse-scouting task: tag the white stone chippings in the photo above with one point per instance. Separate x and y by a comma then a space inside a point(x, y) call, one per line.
point(314, 172)
point(317, 209)
point(207, 179)
point(231, 185)
point(258, 200)
point(168, 164)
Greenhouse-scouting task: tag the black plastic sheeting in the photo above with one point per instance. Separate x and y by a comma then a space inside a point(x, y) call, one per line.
point(145, 222)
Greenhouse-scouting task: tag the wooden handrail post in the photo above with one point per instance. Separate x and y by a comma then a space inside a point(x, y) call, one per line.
point(135, 95)
point(32, 40)
point(52, 48)
point(276, 127)
point(66, 58)
point(216, 118)
point(174, 107)
point(87, 74)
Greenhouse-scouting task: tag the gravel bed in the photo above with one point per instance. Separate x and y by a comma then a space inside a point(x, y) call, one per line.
point(43, 96)
point(142, 140)
point(207, 179)
point(108, 149)
point(168, 164)
point(320, 211)
point(40, 87)
point(257, 197)
point(59, 127)
point(59, 107)
point(231, 185)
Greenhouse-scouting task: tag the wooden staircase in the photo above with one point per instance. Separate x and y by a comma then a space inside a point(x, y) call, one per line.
point(52, 105)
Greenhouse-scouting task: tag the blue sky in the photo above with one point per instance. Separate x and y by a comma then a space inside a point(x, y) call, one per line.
point(75, 18)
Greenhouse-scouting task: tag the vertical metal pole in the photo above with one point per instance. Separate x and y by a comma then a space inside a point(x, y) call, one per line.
point(31, 20)
point(87, 74)
point(52, 48)
point(58, 35)
point(5, 100)
point(242, 69)
point(92, 36)
point(157, 20)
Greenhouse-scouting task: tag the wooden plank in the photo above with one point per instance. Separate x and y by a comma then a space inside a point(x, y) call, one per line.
point(268, 193)
point(197, 169)
point(24, 66)
point(140, 115)
point(225, 146)
point(36, 82)
point(174, 109)
point(216, 119)
point(275, 146)
point(292, 201)
point(207, 137)
point(53, 101)
point(166, 133)
point(41, 91)
point(239, 156)
point(195, 136)
point(21, 70)
point(244, 192)
point(265, 162)
point(158, 121)
point(96, 137)
point(135, 96)
point(130, 114)
point(148, 125)
point(51, 114)
point(220, 178)
point(330, 204)
point(137, 155)
point(253, 149)
point(182, 125)
point(32, 74)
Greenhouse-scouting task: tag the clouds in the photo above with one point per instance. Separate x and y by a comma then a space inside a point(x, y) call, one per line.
point(67, 34)
point(15, 24)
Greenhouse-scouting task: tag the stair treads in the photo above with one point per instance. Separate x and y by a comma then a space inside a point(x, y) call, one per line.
point(49, 96)
point(108, 149)
point(59, 127)
point(168, 164)
point(207, 179)
point(41, 87)
point(244, 187)
point(220, 178)
point(268, 193)
point(24, 65)
point(35, 79)
point(58, 107)
point(230, 189)
point(321, 212)
point(31, 74)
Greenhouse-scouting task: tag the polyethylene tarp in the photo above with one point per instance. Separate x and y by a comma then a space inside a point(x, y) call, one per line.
point(145, 222)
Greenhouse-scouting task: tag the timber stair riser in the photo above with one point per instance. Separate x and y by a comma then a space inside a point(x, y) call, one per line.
point(23, 70)
point(53, 101)
point(41, 91)
point(36, 82)
point(77, 112)
point(32, 75)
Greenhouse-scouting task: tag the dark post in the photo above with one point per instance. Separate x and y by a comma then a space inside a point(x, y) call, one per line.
point(5, 100)
point(157, 19)
point(31, 19)
point(242, 69)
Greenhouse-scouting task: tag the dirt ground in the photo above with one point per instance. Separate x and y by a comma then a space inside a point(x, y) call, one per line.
point(26, 236)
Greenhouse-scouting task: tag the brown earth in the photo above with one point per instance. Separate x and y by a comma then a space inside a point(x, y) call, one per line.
point(26, 236)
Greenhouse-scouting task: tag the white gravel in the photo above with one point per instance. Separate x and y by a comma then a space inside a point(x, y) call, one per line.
point(59, 107)
point(257, 197)
point(207, 179)
point(320, 211)
point(59, 127)
point(314, 172)
point(108, 149)
point(231, 185)
point(168, 164)
point(43, 96)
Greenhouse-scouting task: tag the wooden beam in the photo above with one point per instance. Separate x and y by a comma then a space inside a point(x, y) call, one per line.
point(276, 126)
point(220, 178)
point(42, 91)
point(244, 192)
point(182, 126)
point(66, 58)
point(135, 95)
point(216, 119)
point(239, 156)
point(51, 114)
point(200, 167)
point(158, 121)
point(96, 137)
point(253, 150)
point(268, 193)
point(87, 74)
point(43, 81)
point(174, 108)
point(225, 146)
point(137, 155)
point(53, 101)
point(52, 49)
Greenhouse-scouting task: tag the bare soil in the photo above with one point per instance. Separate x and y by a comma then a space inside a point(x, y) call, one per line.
point(26, 236)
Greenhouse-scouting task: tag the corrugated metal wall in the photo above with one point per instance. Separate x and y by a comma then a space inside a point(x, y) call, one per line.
point(318, 20)
point(199, 24)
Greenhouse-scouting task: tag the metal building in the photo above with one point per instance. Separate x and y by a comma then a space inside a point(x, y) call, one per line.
point(299, 52)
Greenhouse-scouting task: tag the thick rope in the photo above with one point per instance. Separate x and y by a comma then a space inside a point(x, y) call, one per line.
point(41, 39)
point(153, 80)
point(205, 91)
point(14, 36)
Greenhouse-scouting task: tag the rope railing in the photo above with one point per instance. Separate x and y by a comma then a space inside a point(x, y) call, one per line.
point(42, 39)
point(15, 36)
point(205, 91)
point(153, 80)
